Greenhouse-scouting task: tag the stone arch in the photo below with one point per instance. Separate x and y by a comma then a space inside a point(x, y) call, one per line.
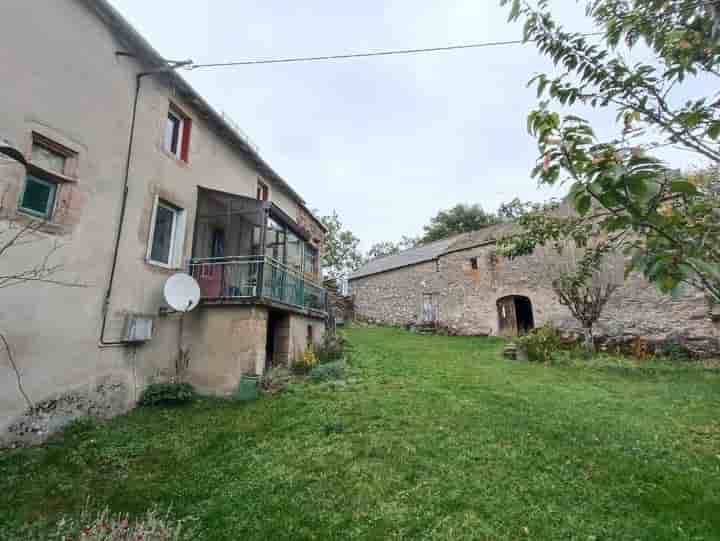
point(515, 315)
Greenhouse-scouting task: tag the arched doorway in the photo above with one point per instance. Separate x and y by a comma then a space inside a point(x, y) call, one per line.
point(515, 314)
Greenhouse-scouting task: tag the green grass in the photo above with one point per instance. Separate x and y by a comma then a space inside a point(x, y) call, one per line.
point(433, 438)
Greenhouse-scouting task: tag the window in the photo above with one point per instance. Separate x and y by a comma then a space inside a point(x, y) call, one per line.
point(263, 192)
point(50, 165)
point(275, 241)
point(310, 337)
point(294, 251)
point(474, 263)
point(38, 198)
point(311, 260)
point(167, 235)
point(177, 134)
point(218, 242)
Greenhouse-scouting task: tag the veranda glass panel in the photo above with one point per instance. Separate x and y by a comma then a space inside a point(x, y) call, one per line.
point(294, 251)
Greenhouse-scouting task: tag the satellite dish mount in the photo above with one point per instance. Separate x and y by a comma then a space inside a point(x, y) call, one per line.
point(182, 293)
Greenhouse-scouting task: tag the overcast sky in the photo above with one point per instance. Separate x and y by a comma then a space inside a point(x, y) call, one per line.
point(389, 141)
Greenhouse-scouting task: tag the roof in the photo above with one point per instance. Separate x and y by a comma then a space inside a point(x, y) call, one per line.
point(435, 250)
point(419, 254)
point(146, 53)
point(486, 235)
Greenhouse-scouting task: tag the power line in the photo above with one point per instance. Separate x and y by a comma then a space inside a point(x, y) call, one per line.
point(369, 54)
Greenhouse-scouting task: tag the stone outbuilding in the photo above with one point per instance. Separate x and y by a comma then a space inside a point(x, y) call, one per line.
point(465, 287)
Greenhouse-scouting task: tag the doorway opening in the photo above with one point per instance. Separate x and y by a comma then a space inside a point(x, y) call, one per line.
point(515, 314)
point(277, 345)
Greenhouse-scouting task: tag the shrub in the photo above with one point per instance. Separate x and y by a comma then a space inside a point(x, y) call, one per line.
point(306, 362)
point(275, 380)
point(332, 348)
point(168, 394)
point(673, 350)
point(328, 371)
point(541, 344)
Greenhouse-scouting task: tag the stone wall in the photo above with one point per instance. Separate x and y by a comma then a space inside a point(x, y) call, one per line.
point(468, 296)
point(107, 396)
point(469, 306)
point(395, 297)
point(225, 342)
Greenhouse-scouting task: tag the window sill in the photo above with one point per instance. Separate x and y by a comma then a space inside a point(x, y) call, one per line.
point(162, 266)
point(174, 158)
point(43, 224)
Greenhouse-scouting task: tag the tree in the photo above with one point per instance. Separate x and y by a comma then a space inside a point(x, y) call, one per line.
point(619, 188)
point(584, 280)
point(341, 255)
point(459, 219)
point(386, 248)
point(382, 249)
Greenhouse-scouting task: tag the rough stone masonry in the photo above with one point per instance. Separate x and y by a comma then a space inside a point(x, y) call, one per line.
point(462, 283)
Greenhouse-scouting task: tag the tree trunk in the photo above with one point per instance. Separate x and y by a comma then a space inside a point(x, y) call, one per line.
point(588, 340)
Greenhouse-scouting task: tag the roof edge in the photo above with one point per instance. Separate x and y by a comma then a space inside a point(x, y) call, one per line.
point(148, 54)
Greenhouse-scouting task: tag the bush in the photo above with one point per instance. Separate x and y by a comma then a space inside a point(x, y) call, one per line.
point(168, 394)
point(306, 362)
point(675, 351)
point(541, 344)
point(332, 348)
point(328, 371)
point(275, 380)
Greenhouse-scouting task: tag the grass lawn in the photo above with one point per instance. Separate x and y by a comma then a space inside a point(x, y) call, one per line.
point(433, 438)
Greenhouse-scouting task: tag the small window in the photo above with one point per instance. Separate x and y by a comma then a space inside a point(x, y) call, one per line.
point(167, 235)
point(177, 134)
point(263, 192)
point(50, 165)
point(474, 263)
point(310, 336)
point(38, 198)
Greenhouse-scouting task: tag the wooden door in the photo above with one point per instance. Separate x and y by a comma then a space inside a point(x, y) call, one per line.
point(429, 308)
point(507, 316)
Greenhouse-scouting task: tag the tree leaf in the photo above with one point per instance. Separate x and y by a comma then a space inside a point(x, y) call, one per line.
point(683, 186)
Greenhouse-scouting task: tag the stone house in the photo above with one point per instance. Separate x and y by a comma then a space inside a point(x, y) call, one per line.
point(136, 177)
point(463, 285)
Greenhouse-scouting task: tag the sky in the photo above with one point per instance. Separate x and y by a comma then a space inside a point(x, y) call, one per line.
point(386, 142)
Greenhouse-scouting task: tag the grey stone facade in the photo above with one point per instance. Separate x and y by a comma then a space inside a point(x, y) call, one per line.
point(470, 280)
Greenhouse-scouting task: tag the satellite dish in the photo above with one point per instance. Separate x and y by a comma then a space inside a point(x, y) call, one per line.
point(182, 292)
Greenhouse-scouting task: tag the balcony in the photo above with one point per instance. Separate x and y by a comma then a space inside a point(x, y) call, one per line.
point(247, 251)
point(251, 279)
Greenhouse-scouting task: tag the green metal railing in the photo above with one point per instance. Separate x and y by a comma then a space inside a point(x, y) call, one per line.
point(240, 278)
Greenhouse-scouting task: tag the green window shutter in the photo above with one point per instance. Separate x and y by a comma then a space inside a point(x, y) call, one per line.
point(39, 197)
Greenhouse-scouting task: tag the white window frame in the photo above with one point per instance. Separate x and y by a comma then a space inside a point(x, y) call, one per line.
point(177, 235)
point(262, 184)
point(181, 133)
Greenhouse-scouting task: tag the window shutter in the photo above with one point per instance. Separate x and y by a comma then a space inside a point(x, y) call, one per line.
point(185, 151)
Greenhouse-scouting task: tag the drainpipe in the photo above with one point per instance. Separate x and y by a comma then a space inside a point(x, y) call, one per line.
point(102, 343)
